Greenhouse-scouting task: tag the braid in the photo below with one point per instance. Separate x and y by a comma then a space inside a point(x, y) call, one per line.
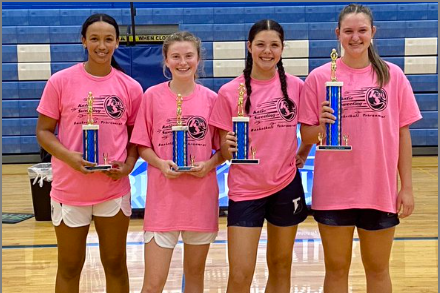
point(247, 77)
point(282, 75)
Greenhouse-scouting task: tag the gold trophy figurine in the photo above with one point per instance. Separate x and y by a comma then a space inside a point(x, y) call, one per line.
point(90, 100)
point(334, 57)
point(320, 138)
point(240, 100)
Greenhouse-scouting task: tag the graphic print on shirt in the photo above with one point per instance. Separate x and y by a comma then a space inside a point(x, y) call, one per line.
point(366, 102)
point(197, 127)
point(114, 107)
point(272, 114)
point(106, 109)
point(197, 130)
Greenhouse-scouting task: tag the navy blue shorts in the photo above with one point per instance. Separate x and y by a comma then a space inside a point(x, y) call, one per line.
point(367, 219)
point(285, 208)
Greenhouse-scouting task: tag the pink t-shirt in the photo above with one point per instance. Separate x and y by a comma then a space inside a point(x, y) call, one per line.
point(272, 132)
point(366, 177)
point(116, 100)
point(186, 203)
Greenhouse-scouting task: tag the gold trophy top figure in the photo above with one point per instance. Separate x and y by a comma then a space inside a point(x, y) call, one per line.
point(320, 138)
point(90, 109)
point(334, 56)
point(179, 110)
point(240, 99)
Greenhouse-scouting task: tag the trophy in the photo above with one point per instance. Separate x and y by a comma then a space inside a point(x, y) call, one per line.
point(334, 136)
point(90, 140)
point(241, 129)
point(180, 141)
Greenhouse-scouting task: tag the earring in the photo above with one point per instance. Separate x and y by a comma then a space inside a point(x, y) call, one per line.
point(85, 47)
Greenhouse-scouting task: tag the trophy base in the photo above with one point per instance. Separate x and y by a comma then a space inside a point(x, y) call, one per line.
point(245, 161)
point(99, 167)
point(184, 169)
point(333, 148)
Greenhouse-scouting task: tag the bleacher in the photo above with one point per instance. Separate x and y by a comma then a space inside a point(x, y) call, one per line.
point(40, 39)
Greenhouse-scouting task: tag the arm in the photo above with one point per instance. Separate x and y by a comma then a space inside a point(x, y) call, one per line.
point(405, 198)
point(309, 133)
point(228, 143)
point(165, 166)
point(45, 132)
point(302, 154)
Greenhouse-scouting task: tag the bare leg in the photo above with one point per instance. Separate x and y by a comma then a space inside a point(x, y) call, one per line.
point(337, 243)
point(375, 251)
point(157, 266)
point(71, 257)
point(112, 233)
point(194, 267)
point(279, 257)
point(242, 255)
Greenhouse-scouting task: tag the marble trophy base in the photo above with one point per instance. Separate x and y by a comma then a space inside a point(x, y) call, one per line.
point(98, 167)
point(245, 161)
point(333, 148)
point(184, 169)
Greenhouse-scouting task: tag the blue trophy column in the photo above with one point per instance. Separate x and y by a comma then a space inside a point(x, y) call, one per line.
point(180, 147)
point(335, 140)
point(90, 143)
point(241, 130)
point(334, 136)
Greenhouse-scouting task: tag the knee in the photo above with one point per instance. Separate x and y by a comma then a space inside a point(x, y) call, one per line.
point(279, 266)
point(376, 270)
point(153, 286)
point(114, 264)
point(241, 277)
point(70, 268)
point(194, 271)
point(337, 268)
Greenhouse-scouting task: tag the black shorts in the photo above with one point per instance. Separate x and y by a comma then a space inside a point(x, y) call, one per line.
point(285, 208)
point(367, 219)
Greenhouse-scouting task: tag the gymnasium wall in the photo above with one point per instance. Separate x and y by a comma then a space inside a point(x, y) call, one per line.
point(39, 39)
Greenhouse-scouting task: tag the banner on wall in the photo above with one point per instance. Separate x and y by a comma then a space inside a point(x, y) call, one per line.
point(150, 33)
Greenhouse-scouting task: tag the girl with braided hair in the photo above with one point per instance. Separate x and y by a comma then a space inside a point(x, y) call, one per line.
point(272, 189)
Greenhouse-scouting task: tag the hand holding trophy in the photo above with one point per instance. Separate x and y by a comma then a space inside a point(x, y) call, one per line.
point(334, 137)
point(180, 141)
point(90, 140)
point(241, 129)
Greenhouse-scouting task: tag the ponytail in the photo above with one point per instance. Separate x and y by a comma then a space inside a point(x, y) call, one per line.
point(379, 66)
point(116, 65)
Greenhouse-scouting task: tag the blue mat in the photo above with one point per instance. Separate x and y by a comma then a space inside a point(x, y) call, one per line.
point(13, 218)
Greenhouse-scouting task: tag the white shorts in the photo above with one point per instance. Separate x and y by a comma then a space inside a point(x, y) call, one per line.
point(78, 216)
point(170, 239)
